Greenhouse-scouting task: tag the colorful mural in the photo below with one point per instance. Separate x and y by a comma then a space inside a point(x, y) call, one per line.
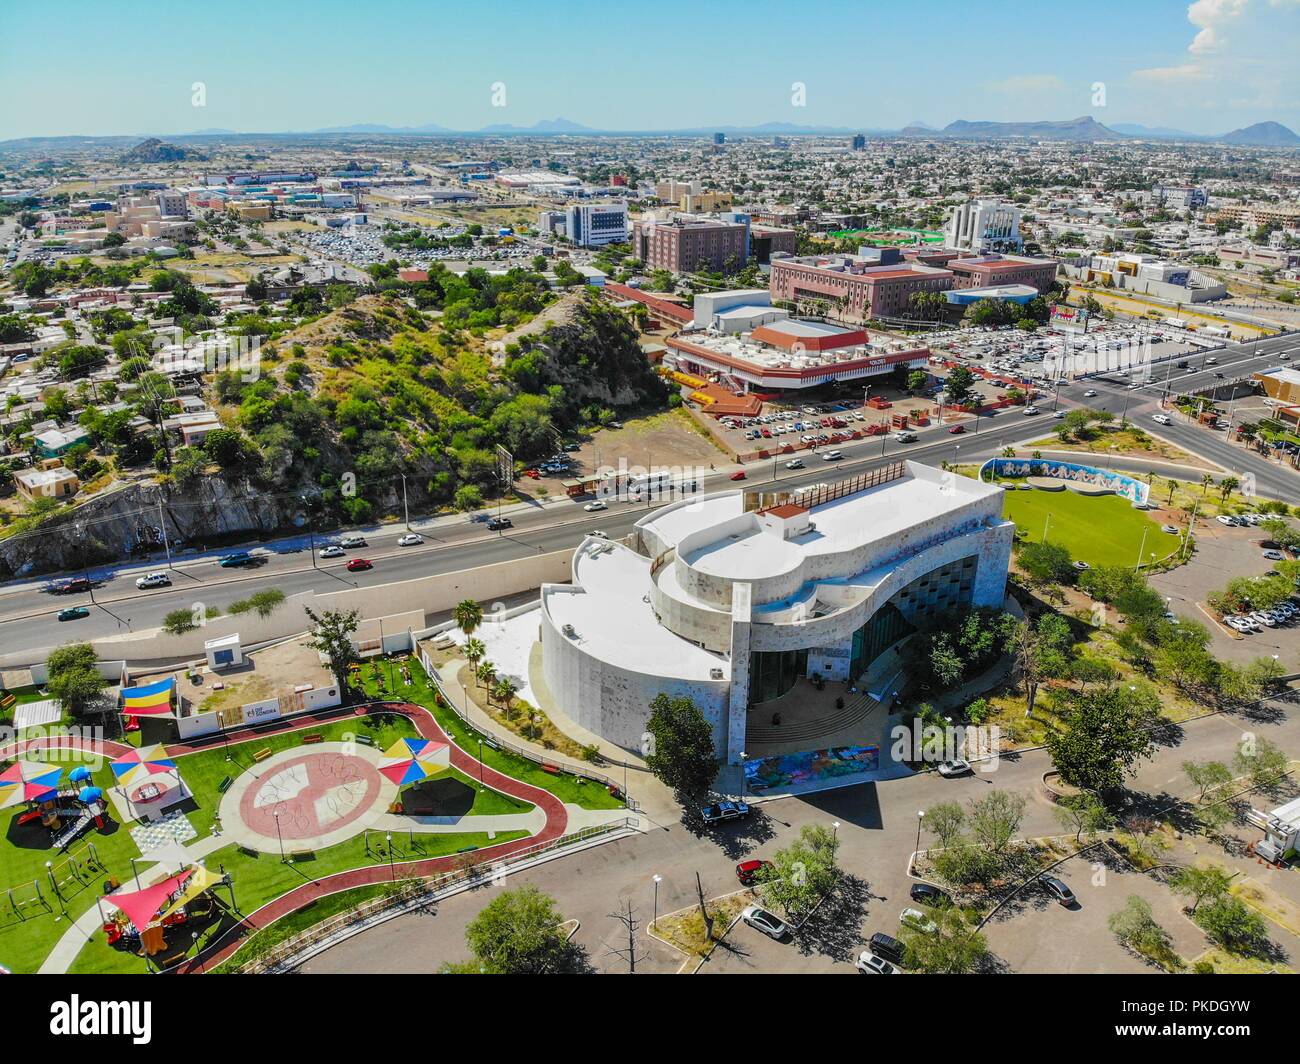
point(783, 771)
point(1136, 491)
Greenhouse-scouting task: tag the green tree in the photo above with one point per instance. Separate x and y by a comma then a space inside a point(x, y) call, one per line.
point(1083, 812)
point(1046, 563)
point(1201, 884)
point(1232, 924)
point(73, 677)
point(332, 636)
point(804, 872)
point(1260, 759)
point(946, 822)
point(954, 947)
point(1135, 928)
point(681, 752)
point(995, 819)
point(468, 615)
point(1101, 735)
point(519, 932)
point(1209, 777)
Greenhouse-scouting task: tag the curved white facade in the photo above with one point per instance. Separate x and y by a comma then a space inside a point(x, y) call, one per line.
point(714, 590)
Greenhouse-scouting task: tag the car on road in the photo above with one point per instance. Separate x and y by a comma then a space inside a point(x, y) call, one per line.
point(593, 507)
point(870, 964)
point(332, 551)
point(721, 812)
point(748, 871)
point(352, 542)
point(905, 437)
point(1091, 393)
point(596, 533)
point(1059, 890)
point(234, 561)
point(929, 894)
point(411, 539)
point(1030, 411)
point(1162, 419)
point(71, 587)
point(794, 463)
point(762, 920)
point(359, 565)
point(887, 946)
point(832, 456)
point(1275, 555)
point(153, 580)
point(739, 474)
point(496, 524)
point(957, 766)
point(73, 613)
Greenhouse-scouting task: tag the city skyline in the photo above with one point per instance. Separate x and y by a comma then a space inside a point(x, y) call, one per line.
point(874, 72)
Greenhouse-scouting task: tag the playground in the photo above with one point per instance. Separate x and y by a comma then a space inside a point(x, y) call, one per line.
point(254, 825)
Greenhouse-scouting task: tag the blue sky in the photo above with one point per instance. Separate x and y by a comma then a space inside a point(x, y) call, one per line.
point(129, 67)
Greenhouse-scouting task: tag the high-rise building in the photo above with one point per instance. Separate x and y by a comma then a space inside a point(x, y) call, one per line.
point(859, 142)
point(593, 224)
point(686, 243)
point(719, 138)
point(984, 225)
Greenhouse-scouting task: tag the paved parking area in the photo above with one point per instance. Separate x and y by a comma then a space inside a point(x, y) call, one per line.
point(1223, 552)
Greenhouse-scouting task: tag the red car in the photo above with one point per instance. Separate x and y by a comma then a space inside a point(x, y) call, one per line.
point(747, 871)
point(957, 430)
point(739, 474)
point(359, 565)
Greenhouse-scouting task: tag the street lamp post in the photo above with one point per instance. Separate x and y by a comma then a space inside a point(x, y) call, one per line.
point(279, 837)
point(920, 818)
point(657, 880)
point(392, 871)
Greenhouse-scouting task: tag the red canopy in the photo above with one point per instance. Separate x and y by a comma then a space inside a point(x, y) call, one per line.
point(141, 906)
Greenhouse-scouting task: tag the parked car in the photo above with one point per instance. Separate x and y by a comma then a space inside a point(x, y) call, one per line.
point(958, 766)
point(496, 524)
point(870, 964)
point(764, 921)
point(1224, 519)
point(720, 812)
point(1275, 555)
point(594, 507)
point(411, 539)
point(929, 894)
point(596, 533)
point(748, 871)
point(886, 946)
point(73, 613)
point(918, 921)
point(1059, 890)
point(159, 579)
point(332, 551)
point(359, 565)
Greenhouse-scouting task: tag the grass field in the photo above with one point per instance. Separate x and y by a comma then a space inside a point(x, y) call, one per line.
point(1099, 530)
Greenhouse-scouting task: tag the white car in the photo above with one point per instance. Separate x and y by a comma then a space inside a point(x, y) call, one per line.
point(794, 463)
point(1030, 411)
point(832, 456)
point(1275, 555)
point(1224, 519)
point(332, 552)
point(153, 580)
point(352, 542)
point(411, 539)
point(1090, 393)
point(593, 507)
point(764, 921)
point(870, 964)
point(1161, 419)
point(916, 919)
point(958, 766)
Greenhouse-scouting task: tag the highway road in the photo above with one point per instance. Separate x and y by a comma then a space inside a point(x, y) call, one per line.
point(455, 543)
point(27, 610)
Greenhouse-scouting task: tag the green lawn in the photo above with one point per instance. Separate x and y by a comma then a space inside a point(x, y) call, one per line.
point(1099, 530)
point(564, 786)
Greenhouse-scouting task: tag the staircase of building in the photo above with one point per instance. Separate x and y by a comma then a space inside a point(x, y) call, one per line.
point(857, 708)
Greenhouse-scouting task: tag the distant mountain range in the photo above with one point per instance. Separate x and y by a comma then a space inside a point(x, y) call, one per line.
point(1085, 129)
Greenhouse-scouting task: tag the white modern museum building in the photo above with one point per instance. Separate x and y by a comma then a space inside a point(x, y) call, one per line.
point(731, 597)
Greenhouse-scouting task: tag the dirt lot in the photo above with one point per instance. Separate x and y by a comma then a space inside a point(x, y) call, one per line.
point(669, 439)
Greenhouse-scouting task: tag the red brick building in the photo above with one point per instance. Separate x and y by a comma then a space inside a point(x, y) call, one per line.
point(985, 271)
point(855, 291)
point(682, 246)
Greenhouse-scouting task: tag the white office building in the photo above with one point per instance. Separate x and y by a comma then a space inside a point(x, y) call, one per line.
point(731, 598)
point(983, 226)
point(592, 224)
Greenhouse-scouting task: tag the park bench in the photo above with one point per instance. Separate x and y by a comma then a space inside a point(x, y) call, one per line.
point(554, 770)
point(262, 754)
point(366, 739)
point(302, 855)
point(224, 785)
point(314, 737)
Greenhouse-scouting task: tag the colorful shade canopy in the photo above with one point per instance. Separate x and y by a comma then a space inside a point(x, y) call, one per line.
point(28, 781)
point(152, 700)
point(140, 763)
point(141, 906)
point(80, 774)
point(411, 760)
point(90, 794)
point(201, 880)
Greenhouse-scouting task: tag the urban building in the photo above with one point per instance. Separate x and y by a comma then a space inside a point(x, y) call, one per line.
point(705, 202)
point(983, 226)
point(49, 480)
point(852, 289)
point(684, 243)
point(1181, 197)
point(987, 271)
point(594, 224)
point(1148, 274)
point(730, 599)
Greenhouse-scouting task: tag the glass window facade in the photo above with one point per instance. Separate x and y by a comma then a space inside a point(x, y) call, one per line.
point(773, 672)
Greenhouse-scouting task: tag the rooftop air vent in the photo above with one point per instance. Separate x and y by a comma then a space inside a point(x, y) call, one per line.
point(570, 631)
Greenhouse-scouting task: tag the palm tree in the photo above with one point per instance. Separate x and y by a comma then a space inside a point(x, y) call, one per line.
point(1173, 487)
point(484, 673)
point(1207, 479)
point(475, 652)
point(468, 615)
point(1226, 487)
point(505, 690)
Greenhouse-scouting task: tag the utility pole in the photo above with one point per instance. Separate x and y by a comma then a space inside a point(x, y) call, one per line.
point(406, 510)
point(704, 909)
point(162, 524)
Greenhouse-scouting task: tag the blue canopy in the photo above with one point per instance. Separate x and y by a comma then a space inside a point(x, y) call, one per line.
point(90, 794)
point(79, 774)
